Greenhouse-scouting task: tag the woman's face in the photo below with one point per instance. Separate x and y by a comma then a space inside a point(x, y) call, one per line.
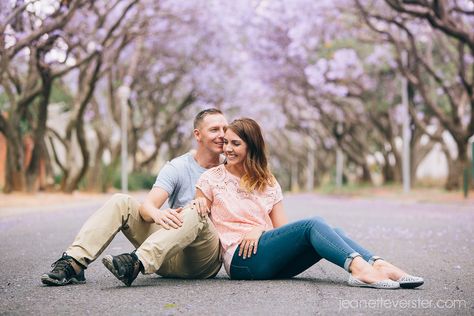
point(235, 149)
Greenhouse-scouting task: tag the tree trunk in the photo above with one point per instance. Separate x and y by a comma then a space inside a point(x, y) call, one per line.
point(388, 173)
point(133, 146)
point(95, 174)
point(39, 151)
point(38, 158)
point(15, 178)
point(391, 173)
point(74, 180)
point(365, 177)
point(87, 83)
point(456, 167)
point(357, 157)
point(454, 180)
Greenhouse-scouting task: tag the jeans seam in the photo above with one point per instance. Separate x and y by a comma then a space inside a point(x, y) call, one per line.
point(247, 269)
point(335, 247)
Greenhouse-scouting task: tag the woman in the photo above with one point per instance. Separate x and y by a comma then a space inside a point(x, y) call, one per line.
point(245, 204)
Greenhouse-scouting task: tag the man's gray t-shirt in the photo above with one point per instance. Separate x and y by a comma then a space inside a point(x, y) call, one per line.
point(178, 177)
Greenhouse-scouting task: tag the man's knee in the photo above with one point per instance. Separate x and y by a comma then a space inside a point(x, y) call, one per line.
point(124, 205)
point(124, 202)
point(190, 214)
point(120, 198)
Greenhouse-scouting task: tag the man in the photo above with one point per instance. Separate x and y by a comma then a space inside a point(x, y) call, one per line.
point(174, 242)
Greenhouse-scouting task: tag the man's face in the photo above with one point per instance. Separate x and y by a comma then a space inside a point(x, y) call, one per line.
point(210, 133)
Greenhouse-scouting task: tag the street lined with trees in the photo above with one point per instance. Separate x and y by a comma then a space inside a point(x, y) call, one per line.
point(322, 77)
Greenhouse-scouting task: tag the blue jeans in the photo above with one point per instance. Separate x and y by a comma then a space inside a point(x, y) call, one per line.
point(289, 250)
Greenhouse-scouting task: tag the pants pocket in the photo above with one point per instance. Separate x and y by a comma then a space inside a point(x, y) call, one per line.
point(240, 273)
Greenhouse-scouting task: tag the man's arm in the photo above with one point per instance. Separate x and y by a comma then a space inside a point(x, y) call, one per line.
point(150, 210)
point(154, 200)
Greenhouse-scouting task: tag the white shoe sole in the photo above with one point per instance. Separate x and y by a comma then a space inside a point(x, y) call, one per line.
point(384, 284)
point(410, 281)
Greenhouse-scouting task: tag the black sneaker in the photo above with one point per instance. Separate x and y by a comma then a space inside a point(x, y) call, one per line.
point(125, 267)
point(63, 273)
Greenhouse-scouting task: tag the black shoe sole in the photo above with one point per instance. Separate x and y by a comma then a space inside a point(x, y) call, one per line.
point(108, 262)
point(410, 285)
point(47, 280)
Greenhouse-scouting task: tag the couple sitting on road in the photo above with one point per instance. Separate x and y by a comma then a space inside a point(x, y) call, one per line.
point(228, 211)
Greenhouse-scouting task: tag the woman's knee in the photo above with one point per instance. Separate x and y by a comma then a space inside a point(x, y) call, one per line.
point(317, 221)
point(340, 231)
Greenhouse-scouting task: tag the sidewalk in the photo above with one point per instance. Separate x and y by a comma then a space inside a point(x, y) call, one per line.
point(20, 203)
point(421, 195)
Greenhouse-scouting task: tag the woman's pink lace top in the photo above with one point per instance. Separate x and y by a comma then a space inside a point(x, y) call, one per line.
point(234, 210)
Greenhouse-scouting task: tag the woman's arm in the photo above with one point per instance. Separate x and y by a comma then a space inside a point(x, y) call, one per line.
point(249, 243)
point(202, 202)
point(278, 216)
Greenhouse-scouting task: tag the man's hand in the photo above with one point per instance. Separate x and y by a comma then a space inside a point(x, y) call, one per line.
point(250, 242)
point(200, 203)
point(169, 218)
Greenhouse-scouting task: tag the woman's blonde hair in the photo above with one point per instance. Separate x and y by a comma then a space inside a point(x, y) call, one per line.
point(257, 174)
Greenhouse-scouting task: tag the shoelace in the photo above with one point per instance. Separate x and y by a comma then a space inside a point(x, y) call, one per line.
point(63, 264)
point(127, 262)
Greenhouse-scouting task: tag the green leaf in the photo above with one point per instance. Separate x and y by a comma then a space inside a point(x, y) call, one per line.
point(170, 305)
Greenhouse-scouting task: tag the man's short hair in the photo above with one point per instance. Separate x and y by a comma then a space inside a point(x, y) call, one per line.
point(201, 115)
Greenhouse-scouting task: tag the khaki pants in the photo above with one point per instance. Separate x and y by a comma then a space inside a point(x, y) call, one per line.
point(191, 251)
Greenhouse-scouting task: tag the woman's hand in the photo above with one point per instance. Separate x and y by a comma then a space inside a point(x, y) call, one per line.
point(200, 203)
point(250, 242)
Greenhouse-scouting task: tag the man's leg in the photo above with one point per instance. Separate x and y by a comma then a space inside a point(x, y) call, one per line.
point(199, 260)
point(120, 213)
point(190, 251)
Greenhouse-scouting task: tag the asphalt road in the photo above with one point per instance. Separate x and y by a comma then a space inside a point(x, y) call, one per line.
point(431, 240)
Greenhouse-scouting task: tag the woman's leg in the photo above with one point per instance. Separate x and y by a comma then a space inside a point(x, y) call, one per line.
point(366, 254)
point(280, 248)
point(390, 271)
point(303, 261)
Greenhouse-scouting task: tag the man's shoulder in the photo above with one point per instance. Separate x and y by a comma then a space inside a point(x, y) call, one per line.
point(180, 161)
point(175, 166)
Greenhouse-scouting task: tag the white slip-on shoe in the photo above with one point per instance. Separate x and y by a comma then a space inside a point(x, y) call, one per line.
point(384, 284)
point(410, 281)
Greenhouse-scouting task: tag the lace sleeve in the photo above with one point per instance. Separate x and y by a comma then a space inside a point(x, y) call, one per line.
point(204, 185)
point(278, 193)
